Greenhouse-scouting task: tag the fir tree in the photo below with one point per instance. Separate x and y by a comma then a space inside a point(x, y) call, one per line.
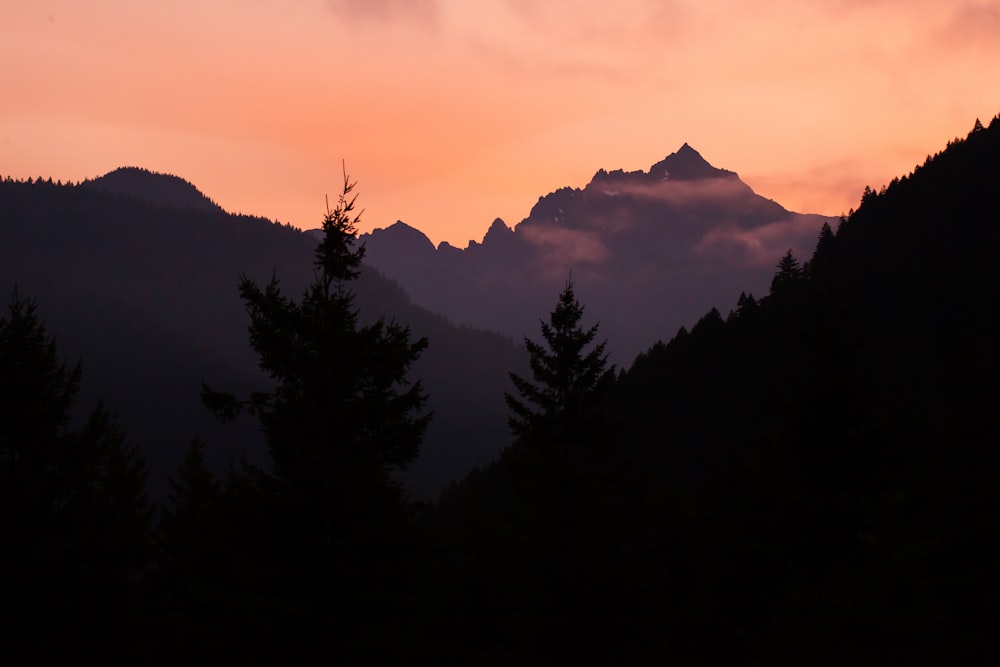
point(195, 488)
point(790, 274)
point(76, 520)
point(342, 413)
point(567, 377)
point(574, 495)
point(341, 419)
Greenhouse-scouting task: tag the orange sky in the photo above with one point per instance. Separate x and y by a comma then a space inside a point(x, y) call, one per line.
point(450, 113)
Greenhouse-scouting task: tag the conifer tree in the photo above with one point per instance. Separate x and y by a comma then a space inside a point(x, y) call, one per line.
point(789, 274)
point(190, 524)
point(195, 488)
point(341, 418)
point(342, 414)
point(567, 376)
point(77, 524)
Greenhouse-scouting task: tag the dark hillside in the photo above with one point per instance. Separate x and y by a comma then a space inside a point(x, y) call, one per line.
point(146, 295)
point(832, 450)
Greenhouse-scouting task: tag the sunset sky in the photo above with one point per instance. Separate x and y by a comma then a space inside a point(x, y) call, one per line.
point(450, 113)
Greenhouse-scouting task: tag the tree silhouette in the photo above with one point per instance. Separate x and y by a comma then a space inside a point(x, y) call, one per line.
point(567, 378)
point(790, 274)
point(574, 494)
point(341, 413)
point(77, 524)
point(194, 490)
point(340, 420)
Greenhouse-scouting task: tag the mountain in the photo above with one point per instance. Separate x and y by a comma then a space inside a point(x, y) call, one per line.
point(143, 290)
point(152, 187)
point(648, 251)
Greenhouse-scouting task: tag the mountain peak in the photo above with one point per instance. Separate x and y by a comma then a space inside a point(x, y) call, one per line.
point(153, 188)
point(497, 231)
point(686, 164)
point(398, 237)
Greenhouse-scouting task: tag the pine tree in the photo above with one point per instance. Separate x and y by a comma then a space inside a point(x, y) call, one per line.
point(191, 530)
point(341, 419)
point(37, 391)
point(77, 523)
point(115, 533)
point(746, 306)
point(195, 488)
point(341, 415)
point(790, 274)
point(567, 377)
point(196, 560)
point(574, 496)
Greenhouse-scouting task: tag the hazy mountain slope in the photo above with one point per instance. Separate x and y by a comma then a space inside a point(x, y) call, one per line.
point(147, 296)
point(648, 251)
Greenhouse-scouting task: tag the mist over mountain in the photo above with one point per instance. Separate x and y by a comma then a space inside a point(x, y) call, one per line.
point(649, 252)
point(142, 288)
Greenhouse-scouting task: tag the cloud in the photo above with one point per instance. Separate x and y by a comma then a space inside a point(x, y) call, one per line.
point(765, 244)
point(973, 25)
point(830, 187)
point(680, 193)
point(572, 39)
point(560, 245)
point(585, 23)
point(420, 11)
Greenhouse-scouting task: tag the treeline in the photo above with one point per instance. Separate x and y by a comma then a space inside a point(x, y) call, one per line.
point(811, 478)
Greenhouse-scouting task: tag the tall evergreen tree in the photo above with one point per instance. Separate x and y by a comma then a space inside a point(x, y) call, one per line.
point(341, 414)
point(574, 509)
point(340, 420)
point(567, 376)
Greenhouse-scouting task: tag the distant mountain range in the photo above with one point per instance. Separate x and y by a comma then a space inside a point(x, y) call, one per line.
point(136, 272)
point(649, 252)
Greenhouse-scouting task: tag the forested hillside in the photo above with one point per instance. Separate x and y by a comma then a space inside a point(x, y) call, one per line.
point(141, 287)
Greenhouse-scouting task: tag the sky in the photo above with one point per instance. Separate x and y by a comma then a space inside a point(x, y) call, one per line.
point(450, 113)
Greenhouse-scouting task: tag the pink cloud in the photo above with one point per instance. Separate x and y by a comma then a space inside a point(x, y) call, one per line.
point(383, 10)
point(567, 246)
point(973, 25)
point(765, 244)
point(681, 192)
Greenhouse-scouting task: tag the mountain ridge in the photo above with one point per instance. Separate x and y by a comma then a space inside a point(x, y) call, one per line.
point(153, 187)
point(620, 235)
point(146, 294)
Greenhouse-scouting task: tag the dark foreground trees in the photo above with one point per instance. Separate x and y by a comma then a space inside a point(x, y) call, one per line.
point(544, 542)
point(340, 420)
point(568, 378)
point(76, 524)
point(342, 415)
